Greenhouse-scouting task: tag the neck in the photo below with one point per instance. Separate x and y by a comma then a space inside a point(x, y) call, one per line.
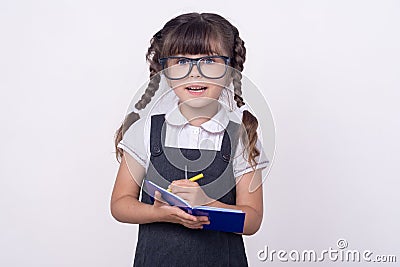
point(199, 115)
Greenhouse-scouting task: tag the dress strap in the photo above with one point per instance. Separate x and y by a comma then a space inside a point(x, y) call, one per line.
point(230, 141)
point(157, 132)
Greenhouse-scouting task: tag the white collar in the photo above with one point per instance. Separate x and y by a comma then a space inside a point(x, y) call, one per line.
point(217, 123)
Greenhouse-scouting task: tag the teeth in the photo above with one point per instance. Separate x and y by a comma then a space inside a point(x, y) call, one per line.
point(196, 88)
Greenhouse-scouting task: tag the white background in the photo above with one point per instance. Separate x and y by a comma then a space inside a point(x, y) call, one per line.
point(68, 70)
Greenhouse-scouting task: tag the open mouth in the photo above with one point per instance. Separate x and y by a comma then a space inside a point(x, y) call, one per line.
point(196, 89)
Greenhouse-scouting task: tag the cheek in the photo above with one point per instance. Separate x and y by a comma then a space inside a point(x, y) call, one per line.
point(178, 87)
point(175, 83)
point(179, 91)
point(223, 82)
point(215, 92)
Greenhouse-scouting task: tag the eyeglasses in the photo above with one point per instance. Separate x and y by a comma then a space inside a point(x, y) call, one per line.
point(211, 67)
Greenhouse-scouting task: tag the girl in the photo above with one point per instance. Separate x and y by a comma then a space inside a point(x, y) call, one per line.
point(199, 55)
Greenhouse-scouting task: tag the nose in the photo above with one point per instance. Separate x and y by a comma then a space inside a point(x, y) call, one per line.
point(195, 71)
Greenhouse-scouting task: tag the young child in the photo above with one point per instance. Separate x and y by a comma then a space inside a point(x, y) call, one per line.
point(198, 55)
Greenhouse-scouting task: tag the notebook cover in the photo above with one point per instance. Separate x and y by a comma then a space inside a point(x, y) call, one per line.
point(226, 220)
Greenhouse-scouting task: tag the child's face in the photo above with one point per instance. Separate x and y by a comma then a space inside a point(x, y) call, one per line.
point(196, 90)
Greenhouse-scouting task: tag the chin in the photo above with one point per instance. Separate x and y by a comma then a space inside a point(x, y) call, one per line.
point(198, 102)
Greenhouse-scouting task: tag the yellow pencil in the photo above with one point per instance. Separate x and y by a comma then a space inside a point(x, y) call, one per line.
point(197, 177)
point(193, 179)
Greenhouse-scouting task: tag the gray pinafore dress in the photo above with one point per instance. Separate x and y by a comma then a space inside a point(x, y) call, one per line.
point(174, 245)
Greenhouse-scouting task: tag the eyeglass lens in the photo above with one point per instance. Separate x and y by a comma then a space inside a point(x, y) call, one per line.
point(210, 67)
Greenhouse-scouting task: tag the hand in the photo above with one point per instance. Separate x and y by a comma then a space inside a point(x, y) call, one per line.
point(190, 191)
point(168, 213)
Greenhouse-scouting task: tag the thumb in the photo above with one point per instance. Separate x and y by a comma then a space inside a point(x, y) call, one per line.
point(158, 201)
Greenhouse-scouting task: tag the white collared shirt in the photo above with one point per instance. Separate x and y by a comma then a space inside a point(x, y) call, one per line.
point(180, 133)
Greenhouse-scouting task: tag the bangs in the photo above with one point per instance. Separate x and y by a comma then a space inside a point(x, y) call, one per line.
point(196, 37)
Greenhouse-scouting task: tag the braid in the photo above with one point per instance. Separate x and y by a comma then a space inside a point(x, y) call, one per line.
point(250, 123)
point(152, 56)
point(239, 52)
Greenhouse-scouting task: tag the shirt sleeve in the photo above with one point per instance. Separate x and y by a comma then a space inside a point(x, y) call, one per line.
point(240, 162)
point(134, 142)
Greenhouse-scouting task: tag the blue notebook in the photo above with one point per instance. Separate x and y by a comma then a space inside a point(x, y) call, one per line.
point(225, 220)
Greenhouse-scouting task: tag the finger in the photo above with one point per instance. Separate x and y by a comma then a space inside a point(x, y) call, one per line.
point(184, 215)
point(181, 181)
point(203, 219)
point(182, 220)
point(157, 196)
point(158, 200)
point(177, 189)
point(192, 227)
point(191, 223)
point(184, 183)
point(185, 195)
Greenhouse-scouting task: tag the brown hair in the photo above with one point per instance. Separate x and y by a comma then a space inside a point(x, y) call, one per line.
point(195, 33)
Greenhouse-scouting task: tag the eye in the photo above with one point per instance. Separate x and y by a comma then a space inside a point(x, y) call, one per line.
point(209, 60)
point(182, 61)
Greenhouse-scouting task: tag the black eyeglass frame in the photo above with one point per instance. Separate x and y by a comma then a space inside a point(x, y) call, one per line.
point(197, 61)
